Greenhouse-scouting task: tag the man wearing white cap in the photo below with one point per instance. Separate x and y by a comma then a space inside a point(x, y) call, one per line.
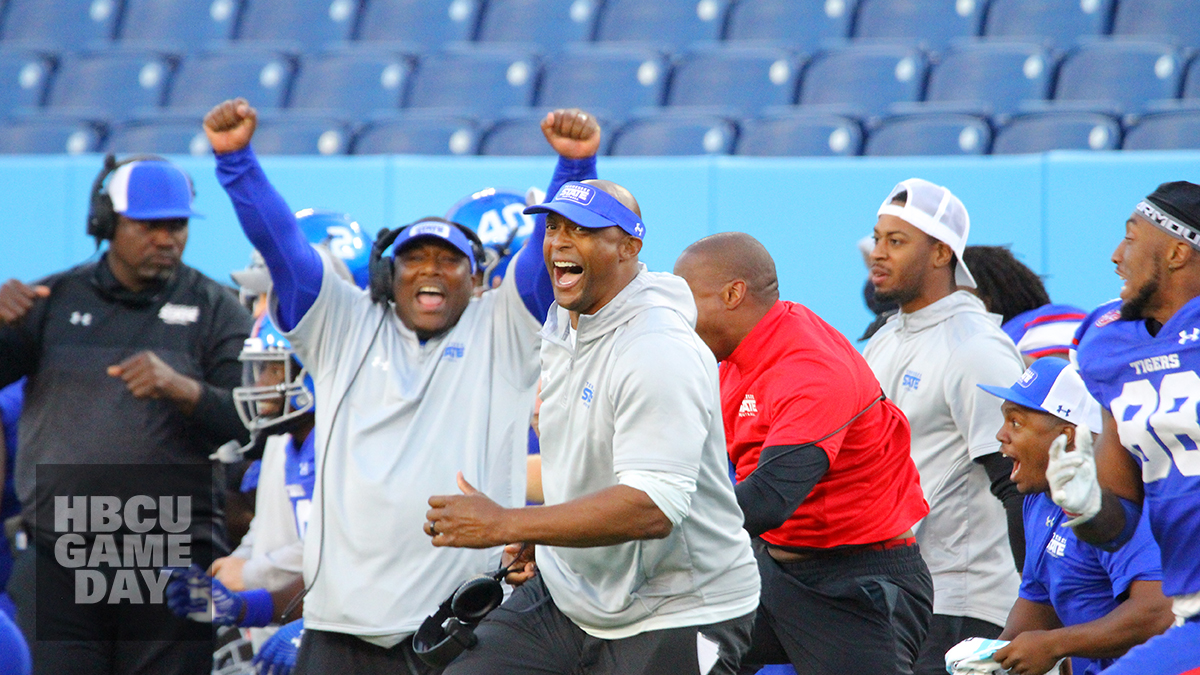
point(928, 358)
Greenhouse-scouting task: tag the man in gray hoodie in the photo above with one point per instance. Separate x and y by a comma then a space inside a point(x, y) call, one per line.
point(643, 565)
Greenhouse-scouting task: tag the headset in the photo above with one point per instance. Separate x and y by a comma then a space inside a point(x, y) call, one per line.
point(102, 219)
point(382, 269)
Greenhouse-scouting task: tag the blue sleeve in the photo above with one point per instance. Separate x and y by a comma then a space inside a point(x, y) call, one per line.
point(296, 268)
point(1033, 586)
point(533, 281)
point(1138, 560)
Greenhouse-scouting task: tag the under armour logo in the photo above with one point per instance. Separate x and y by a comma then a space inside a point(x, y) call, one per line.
point(1049, 521)
point(1064, 411)
point(78, 319)
point(1185, 337)
point(380, 363)
point(639, 230)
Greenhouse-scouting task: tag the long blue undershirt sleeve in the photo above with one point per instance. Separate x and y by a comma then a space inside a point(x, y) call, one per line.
point(533, 281)
point(270, 225)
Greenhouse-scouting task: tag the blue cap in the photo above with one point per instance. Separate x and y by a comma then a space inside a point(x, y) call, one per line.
point(151, 190)
point(436, 229)
point(589, 206)
point(1052, 385)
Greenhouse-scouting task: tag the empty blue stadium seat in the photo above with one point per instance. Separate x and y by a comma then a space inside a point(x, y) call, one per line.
point(481, 81)
point(1177, 21)
point(740, 79)
point(1165, 131)
point(1191, 86)
point(165, 137)
point(864, 80)
point(48, 137)
point(301, 137)
point(675, 135)
point(996, 75)
point(204, 80)
point(350, 84)
point(931, 23)
point(516, 136)
point(611, 82)
point(419, 135)
point(60, 24)
point(800, 134)
point(1061, 22)
point(549, 24)
point(304, 24)
point(110, 85)
point(803, 25)
point(930, 135)
point(1042, 132)
point(24, 77)
point(426, 23)
point(179, 25)
point(1123, 74)
point(674, 23)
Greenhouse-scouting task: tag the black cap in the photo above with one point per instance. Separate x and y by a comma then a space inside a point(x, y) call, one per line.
point(1181, 201)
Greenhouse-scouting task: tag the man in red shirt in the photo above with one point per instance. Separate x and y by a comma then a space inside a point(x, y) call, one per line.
point(825, 479)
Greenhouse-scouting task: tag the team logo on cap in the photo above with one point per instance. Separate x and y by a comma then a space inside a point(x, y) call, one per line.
point(580, 194)
point(437, 229)
point(1027, 378)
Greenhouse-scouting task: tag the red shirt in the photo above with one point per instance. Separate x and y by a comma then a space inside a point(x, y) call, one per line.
point(793, 380)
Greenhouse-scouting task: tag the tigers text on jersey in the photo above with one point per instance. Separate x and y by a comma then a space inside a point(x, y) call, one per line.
point(1151, 385)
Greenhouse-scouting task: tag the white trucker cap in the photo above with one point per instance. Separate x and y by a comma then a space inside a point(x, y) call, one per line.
point(935, 211)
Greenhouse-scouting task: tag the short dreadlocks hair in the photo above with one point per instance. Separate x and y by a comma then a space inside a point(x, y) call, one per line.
point(1006, 285)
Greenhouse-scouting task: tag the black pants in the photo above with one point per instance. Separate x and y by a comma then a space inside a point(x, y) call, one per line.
point(944, 633)
point(529, 634)
point(863, 613)
point(327, 653)
point(101, 639)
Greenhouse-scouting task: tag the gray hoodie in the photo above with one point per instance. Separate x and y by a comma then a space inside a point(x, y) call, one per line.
point(639, 392)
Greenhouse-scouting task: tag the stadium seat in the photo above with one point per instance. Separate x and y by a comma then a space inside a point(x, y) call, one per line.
point(167, 137)
point(109, 85)
point(995, 76)
point(1191, 85)
point(425, 23)
point(611, 82)
point(1165, 131)
point(743, 80)
point(1175, 21)
point(864, 80)
point(25, 76)
point(203, 80)
point(1121, 74)
point(1060, 22)
point(799, 134)
point(60, 24)
point(419, 135)
point(301, 137)
point(305, 25)
point(801, 25)
point(675, 135)
point(671, 23)
point(516, 136)
point(1041, 132)
point(479, 82)
point(930, 23)
point(350, 84)
point(48, 137)
point(178, 25)
point(930, 135)
point(549, 24)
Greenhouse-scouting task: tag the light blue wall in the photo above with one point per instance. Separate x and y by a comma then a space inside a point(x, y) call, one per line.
point(1063, 213)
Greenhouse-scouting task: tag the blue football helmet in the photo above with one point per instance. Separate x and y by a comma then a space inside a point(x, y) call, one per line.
point(344, 238)
point(496, 215)
point(270, 396)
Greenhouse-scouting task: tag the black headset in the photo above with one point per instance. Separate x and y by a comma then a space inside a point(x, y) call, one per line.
point(382, 268)
point(102, 219)
point(450, 631)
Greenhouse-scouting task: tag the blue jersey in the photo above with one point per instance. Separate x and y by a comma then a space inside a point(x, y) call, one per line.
point(1080, 581)
point(299, 470)
point(12, 400)
point(1151, 385)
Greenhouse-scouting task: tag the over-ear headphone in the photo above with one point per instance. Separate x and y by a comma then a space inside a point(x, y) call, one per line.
point(382, 270)
point(448, 632)
point(102, 219)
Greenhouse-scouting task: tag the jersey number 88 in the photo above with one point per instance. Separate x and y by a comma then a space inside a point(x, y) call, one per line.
point(1161, 425)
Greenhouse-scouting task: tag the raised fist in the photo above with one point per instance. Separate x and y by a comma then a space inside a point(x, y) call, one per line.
point(16, 299)
point(572, 133)
point(230, 125)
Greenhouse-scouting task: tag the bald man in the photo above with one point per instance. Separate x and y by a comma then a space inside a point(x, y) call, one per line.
point(642, 562)
point(825, 479)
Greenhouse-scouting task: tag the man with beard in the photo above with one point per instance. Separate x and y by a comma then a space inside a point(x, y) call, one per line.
point(928, 358)
point(1140, 357)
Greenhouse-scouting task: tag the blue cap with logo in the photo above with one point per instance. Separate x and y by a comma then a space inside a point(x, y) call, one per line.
point(589, 206)
point(1052, 385)
point(436, 229)
point(151, 190)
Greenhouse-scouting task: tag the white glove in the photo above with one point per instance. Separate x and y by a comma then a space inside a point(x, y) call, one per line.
point(1072, 477)
point(974, 656)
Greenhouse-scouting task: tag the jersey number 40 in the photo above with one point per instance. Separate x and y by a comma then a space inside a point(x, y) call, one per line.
point(1161, 425)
